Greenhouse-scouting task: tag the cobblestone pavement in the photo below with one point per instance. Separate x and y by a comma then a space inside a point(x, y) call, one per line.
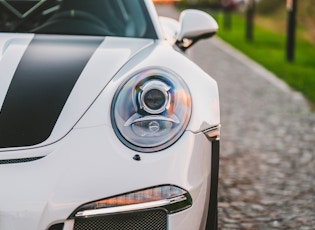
point(267, 166)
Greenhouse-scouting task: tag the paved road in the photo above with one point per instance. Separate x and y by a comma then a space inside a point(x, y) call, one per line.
point(267, 168)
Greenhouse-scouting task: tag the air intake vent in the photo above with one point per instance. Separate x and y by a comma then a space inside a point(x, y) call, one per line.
point(56, 227)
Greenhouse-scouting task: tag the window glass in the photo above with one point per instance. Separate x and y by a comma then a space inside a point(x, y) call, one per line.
point(126, 18)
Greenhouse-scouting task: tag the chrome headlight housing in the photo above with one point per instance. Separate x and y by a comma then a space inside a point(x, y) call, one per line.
point(151, 110)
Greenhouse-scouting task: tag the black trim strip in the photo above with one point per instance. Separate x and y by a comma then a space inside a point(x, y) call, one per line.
point(16, 161)
point(42, 83)
point(212, 220)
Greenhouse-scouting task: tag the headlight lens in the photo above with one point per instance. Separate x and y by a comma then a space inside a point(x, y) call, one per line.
point(151, 110)
point(154, 97)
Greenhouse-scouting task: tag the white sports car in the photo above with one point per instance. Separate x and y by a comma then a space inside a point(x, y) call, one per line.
point(105, 123)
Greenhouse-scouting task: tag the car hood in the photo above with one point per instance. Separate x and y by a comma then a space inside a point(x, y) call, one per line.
point(49, 81)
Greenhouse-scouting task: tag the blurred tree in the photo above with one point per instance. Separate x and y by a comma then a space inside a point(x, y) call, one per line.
point(291, 27)
point(250, 12)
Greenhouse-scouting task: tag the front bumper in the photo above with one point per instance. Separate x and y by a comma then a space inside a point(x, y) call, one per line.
point(91, 164)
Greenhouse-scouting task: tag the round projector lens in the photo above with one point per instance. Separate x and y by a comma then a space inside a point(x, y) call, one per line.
point(154, 99)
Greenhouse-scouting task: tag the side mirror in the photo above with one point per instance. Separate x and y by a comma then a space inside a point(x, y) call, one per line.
point(195, 25)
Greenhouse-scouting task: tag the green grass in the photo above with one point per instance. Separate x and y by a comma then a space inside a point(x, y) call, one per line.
point(268, 49)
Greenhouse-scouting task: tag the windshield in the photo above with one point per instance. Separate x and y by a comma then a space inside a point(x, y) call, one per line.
point(125, 18)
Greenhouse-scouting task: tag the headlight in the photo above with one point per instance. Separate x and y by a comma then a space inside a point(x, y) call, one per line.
point(151, 110)
point(168, 197)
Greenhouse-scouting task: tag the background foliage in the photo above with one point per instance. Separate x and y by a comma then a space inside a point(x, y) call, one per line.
point(269, 43)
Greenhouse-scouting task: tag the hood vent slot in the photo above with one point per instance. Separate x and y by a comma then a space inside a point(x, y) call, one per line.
point(16, 161)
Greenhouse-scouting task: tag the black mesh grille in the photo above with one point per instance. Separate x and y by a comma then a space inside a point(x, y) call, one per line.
point(144, 220)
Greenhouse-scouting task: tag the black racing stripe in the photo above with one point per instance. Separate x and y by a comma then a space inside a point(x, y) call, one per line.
point(41, 85)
